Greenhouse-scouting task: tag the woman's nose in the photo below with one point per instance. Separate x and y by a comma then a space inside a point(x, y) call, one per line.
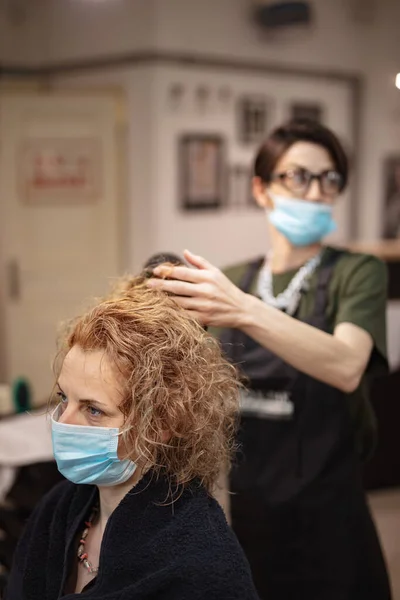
point(314, 192)
point(69, 415)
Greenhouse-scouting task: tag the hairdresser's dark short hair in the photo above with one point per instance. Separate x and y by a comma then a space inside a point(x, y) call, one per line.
point(299, 130)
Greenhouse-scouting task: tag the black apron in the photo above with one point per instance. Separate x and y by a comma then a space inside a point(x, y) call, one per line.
point(298, 505)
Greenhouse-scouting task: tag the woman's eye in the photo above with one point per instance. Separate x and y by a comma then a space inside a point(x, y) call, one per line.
point(299, 177)
point(93, 412)
point(334, 178)
point(62, 397)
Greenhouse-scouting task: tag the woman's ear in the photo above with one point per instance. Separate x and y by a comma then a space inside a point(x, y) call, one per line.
point(260, 194)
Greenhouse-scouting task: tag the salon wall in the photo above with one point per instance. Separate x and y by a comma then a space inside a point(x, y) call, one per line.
point(349, 36)
point(70, 30)
point(23, 27)
point(34, 32)
point(154, 126)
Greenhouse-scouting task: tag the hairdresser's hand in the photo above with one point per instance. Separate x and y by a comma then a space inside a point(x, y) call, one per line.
point(204, 292)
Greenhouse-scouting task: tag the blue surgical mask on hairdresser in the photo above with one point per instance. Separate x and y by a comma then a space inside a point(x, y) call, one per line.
point(86, 454)
point(300, 221)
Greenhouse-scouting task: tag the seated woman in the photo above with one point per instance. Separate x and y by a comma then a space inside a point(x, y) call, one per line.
point(145, 423)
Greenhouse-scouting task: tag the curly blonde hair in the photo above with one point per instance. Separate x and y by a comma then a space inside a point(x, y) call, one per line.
point(176, 381)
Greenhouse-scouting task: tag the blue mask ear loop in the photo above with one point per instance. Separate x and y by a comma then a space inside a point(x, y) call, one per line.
point(52, 415)
point(268, 199)
point(121, 433)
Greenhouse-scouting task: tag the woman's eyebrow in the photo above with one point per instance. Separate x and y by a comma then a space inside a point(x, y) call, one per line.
point(93, 401)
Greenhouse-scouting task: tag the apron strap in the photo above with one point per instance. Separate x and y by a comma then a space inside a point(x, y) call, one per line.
point(250, 273)
point(324, 277)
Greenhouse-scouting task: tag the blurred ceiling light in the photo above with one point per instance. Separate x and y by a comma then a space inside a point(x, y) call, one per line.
point(398, 81)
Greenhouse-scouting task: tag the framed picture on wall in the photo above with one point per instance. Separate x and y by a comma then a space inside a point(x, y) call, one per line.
point(307, 110)
point(201, 171)
point(253, 116)
point(391, 204)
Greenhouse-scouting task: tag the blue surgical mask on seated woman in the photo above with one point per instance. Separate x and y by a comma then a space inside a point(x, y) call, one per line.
point(88, 454)
point(300, 221)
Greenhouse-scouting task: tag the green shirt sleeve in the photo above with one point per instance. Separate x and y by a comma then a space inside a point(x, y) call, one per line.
point(362, 300)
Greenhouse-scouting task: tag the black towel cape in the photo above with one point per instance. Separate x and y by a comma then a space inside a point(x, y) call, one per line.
point(150, 550)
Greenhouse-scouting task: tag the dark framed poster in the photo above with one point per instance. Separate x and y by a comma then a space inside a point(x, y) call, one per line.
point(253, 116)
point(312, 111)
point(201, 171)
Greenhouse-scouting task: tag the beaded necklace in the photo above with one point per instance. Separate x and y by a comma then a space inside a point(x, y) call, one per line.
point(289, 299)
point(82, 555)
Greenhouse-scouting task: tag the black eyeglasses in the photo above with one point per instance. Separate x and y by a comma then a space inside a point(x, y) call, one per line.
point(298, 181)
